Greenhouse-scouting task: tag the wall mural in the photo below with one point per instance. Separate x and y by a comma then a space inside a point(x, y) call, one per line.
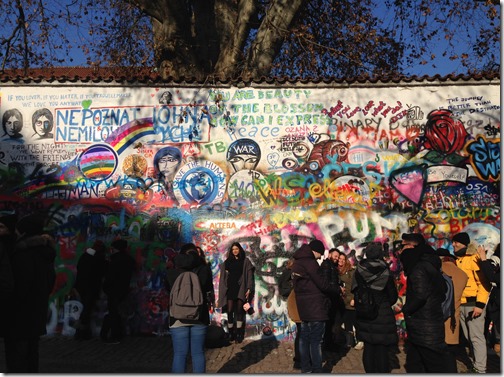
point(269, 167)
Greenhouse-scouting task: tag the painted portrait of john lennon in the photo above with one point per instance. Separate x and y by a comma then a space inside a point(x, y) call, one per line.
point(12, 123)
point(42, 122)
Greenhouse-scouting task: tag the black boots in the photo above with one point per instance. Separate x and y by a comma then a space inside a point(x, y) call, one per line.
point(232, 334)
point(240, 334)
point(350, 340)
point(236, 334)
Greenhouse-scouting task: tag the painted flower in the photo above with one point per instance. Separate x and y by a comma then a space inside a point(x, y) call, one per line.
point(443, 133)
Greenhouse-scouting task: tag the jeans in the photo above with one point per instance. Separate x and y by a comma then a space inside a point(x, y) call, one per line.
point(184, 337)
point(297, 352)
point(310, 346)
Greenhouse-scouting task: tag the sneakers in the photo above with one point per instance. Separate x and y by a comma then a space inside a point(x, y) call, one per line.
point(359, 346)
point(475, 370)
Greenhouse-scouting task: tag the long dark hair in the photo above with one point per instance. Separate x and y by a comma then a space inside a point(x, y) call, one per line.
point(241, 255)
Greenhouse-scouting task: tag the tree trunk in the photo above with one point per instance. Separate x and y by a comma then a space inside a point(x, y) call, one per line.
point(270, 36)
point(198, 48)
point(231, 55)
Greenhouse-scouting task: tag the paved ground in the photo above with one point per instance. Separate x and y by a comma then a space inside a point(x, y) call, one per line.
point(152, 354)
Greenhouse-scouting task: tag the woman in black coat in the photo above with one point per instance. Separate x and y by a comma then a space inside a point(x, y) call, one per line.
point(378, 334)
point(236, 287)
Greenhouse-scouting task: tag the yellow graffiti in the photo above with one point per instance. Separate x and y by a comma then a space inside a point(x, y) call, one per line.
point(282, 219)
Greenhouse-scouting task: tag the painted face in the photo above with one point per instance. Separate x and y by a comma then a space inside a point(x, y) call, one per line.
point(42, 125)
point(168, 165)
point(244, 161)
point(235, 250)
point(12, 125)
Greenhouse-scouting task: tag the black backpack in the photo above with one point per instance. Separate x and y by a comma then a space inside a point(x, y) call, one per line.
point(365, 303)
point(448, 304)
point(186, 297)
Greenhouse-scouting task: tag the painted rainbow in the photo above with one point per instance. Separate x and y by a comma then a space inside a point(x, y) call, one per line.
point(130, 132)
point(98, 162)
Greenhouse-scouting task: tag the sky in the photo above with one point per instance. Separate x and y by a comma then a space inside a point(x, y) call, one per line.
point(443, 66)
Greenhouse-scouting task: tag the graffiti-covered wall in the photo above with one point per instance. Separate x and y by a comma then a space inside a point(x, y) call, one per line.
point(269, 167)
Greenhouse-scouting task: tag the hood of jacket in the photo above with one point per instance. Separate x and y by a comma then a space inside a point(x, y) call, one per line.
point(41, 244)
point(410, 257)
point(374, 272)
point(186, 261)
point(304, 252)
point(431, 257)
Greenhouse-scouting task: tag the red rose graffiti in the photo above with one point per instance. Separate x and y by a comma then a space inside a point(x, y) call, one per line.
point(443, 133)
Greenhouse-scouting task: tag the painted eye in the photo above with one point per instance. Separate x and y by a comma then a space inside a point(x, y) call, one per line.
point(289, 163)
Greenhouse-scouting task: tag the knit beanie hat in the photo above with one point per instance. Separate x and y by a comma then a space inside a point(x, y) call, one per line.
point(374, 250)
point(442, 252)
point(187, 247)
point(9, 219)
point(413, 237)
point(318, 246)
point(120, 245)
point(99, 246)
point(31, 225)
point(462, 237)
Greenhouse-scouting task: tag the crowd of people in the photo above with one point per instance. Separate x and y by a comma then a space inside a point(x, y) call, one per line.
point(335, 303)
point(341, 305)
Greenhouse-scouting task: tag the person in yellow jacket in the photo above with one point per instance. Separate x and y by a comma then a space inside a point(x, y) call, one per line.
point(473, 301)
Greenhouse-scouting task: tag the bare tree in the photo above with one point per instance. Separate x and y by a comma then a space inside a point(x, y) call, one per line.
point(207, 39)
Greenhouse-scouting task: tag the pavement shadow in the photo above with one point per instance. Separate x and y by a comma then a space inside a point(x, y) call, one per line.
point(250, 354)
point(331, 357)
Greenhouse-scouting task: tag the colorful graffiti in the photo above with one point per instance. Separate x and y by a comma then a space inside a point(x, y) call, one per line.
point(271, 168)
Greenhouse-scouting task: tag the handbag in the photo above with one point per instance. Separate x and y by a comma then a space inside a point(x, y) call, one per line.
point(292, 307)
